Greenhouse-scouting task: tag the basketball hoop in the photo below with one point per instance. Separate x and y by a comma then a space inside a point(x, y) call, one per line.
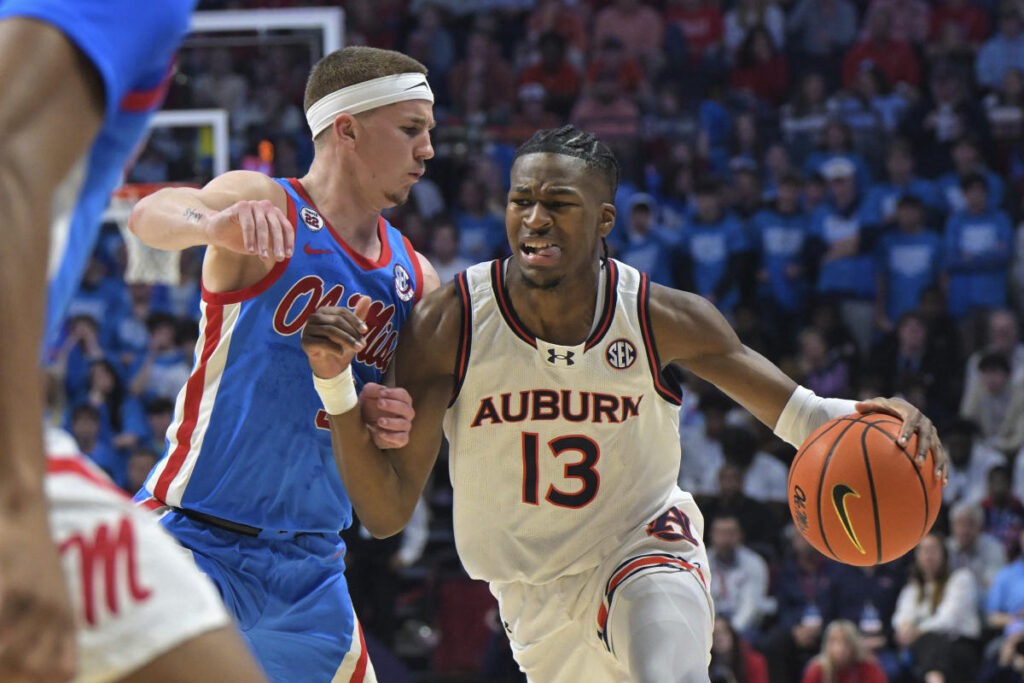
point(146, 265)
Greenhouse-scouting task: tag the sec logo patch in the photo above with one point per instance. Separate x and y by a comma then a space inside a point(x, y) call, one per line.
point(403, 283)
point(620, 354)
point(312, 219)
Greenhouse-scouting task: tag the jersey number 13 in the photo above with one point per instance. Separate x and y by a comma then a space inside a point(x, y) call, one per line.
point(583, 470)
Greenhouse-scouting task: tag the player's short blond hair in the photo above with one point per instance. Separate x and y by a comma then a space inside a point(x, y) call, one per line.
point(352, 65)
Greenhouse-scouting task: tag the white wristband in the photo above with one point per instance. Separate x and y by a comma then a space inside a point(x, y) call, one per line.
point(338, 393)
point(806, 411)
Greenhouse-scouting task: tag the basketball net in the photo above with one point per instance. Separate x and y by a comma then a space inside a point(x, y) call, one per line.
point(146, 265)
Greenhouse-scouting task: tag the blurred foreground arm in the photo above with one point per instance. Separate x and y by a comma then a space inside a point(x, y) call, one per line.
point(50, 112)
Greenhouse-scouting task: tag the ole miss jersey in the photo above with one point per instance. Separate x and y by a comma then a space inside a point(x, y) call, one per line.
point(557, 452)
point(250, 442)
point(131, 44)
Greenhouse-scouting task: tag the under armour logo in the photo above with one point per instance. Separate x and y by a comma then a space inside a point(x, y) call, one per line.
point(554, 357)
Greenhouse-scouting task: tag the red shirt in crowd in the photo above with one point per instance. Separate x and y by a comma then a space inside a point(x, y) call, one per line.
point(967, 18)
point(630, 73)
point(565, 81)
point(639, 30)
point(895, 59)
point(703, 27)
point(862, 672)
point(755, 664)
point(766, 80)
point(565, 21)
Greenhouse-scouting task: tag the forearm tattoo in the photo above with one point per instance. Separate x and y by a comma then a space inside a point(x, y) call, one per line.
point(193, 216)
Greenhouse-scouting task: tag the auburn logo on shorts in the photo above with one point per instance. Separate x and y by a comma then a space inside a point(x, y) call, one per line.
point(312, 219)
point(672, 525)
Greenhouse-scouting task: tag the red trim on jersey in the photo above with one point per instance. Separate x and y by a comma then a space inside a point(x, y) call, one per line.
point(520, 329)
point(608, 312)
point(73, 465)
point(141, 101)
point(630, 568)
point(507, 312)
point(361, 261)
point(151, 504)
point(465, 335)
point(653, 362)
point(193, 397)
point(416, 268)
point(641, 562)
point(263, 284)
point(359, 675)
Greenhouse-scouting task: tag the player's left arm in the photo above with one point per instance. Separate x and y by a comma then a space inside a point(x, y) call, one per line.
point(689, 330)
point(384, 486)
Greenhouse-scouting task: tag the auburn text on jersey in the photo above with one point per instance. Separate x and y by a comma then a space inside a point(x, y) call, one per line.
point(547, 404)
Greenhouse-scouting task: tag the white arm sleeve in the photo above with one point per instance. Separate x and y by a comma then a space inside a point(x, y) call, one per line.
point(806, 411)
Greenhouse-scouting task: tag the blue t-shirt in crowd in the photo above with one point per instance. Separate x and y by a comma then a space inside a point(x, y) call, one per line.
point(977, 255)
point(103, 302)
point(108, 459)
point(1007, 592)
point(780, 239)
point(910, 264)
point(480, 237)
point(953, 196)
point(881, 199)
point(709, 247)
point(651, 253)
point(133, 421)
point(851, 276)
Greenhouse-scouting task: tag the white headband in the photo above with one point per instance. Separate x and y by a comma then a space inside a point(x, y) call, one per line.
point(367, 95)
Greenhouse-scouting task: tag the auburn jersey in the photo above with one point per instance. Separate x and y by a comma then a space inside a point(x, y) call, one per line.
point(556, 451)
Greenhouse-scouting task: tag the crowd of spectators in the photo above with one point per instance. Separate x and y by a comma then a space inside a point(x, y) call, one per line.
point(841, 178)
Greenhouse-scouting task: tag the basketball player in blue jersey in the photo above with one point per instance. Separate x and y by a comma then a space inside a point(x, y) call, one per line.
point(79, 80)
point(546, 373)
point(248, 482)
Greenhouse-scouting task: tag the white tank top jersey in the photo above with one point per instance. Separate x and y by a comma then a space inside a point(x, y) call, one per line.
point(557, 452)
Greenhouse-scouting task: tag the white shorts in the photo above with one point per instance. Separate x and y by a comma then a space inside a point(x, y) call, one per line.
point(136, 593)
point(559, 631)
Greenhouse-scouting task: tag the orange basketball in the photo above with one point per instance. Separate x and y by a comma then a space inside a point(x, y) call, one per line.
point(857, 495)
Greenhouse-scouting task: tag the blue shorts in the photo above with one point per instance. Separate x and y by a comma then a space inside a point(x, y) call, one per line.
point(289, 597)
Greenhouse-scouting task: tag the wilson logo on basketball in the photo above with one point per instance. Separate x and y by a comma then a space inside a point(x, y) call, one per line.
point(312, 219)
point(621, 354)
point(403, 283)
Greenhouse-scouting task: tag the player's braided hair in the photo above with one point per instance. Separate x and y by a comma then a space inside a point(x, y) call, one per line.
point(574, 142)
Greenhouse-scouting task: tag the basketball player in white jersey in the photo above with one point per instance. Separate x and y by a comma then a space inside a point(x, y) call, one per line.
point(546, 373)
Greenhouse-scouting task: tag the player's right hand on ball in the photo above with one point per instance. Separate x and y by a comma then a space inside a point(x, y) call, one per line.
point(37, 626)
point(333, 336)
point(254, 227)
